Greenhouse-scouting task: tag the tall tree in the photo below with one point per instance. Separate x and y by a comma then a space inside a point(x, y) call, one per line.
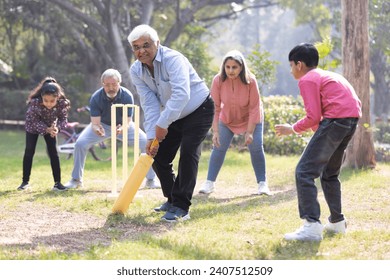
point(356, 69)
point(95, 31)
point(380, 56)
point(323, 14)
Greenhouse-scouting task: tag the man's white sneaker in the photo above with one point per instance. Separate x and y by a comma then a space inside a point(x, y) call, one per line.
point(73, 183)
point(308, 232)
point(152, 184)
point(207, 187)
point(339, 227)
point(263, 188)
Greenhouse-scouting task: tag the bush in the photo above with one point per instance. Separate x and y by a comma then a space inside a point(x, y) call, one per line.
point(280, 110)
point(13, 104)
point(382, 152)
point(382, 132)
point(382, 141)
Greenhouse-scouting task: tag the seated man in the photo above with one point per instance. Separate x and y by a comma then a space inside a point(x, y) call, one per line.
point(100, 127)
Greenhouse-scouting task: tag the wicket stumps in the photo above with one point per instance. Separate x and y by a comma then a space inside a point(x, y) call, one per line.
point(125, 124)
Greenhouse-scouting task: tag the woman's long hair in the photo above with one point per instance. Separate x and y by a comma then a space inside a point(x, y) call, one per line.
point(237, 56)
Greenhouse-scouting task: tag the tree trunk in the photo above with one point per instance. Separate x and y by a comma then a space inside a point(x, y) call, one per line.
point(120, 60)
point(147, 11)
point(380, 87)
point(356, 68)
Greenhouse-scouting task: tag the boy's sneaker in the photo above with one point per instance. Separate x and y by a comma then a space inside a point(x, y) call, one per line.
point(263, 188)
point(59, 187)
point(23, 186)
point(176, 214)
point(73, 183)
point(164, 207)
point(339, 227)
point(308, 232)
point(207, 187)
point(152, 184)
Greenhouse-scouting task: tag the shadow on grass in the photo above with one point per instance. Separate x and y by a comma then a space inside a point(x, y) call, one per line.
point(296, 250)
point(238, 203)
point(4, 193)
point(224, 206)
point(60, 246)
point(183, 251)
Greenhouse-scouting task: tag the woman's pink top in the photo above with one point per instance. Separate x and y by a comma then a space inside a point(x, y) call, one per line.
point(236, 103)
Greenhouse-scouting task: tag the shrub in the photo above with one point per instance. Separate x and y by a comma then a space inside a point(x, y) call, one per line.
point(382, 132)
point(280, 110)
point(382, 152)
point(382, 141)
point(13, 104)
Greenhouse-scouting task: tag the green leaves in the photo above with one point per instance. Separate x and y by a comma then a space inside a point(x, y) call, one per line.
point(261, 65)
point(280, 110)
point(325, 48)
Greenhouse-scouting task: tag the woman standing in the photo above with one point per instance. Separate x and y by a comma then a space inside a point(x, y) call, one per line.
point(238, 110)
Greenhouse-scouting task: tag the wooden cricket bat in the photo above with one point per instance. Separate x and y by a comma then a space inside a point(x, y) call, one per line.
point(133, 183)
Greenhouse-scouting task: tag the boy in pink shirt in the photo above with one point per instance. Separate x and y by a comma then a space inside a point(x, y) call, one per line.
point(332, 111)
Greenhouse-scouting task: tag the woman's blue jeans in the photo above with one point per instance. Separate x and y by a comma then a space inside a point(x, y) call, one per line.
point(323, 157)
point(255, 148)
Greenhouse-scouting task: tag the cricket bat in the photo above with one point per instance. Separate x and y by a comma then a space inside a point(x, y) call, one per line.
point(134, 181)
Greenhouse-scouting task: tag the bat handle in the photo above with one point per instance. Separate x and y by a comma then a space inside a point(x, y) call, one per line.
point(154, 143)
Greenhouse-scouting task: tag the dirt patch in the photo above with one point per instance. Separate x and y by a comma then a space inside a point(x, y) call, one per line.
point(31, 225)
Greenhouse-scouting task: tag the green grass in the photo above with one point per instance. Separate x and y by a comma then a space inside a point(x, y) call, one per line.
point(230, 224)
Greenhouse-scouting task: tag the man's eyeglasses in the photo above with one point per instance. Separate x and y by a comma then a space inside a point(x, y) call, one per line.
point(144, 46)
point(110, 85)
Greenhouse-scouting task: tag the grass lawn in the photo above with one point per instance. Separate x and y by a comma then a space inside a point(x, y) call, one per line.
point(230, 224)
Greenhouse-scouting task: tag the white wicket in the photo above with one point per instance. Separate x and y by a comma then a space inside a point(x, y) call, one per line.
point(125, 124)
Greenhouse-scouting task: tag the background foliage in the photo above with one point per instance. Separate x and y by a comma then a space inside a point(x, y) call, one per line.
point(279, 110)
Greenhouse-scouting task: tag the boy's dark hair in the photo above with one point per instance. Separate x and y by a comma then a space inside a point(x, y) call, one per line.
point(306, 53)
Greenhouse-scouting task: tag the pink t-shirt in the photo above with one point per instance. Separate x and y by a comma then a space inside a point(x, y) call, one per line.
point(326, 95)
point(236, 103)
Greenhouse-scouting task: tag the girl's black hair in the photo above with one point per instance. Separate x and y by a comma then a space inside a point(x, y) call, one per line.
point(306, 53)
point(50, 89)
point(48, 86)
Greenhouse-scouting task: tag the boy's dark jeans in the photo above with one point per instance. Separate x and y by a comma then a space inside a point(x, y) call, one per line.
point(322, 158)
